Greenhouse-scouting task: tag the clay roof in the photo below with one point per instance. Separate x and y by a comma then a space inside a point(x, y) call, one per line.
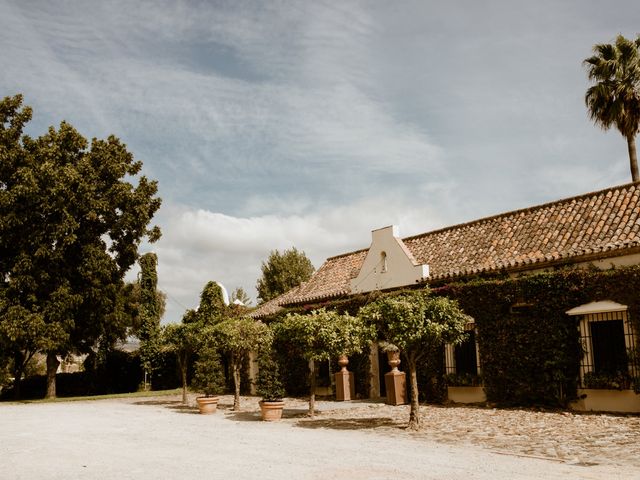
point(594, 225)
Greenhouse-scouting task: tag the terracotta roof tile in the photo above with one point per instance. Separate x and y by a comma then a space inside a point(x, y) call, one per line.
point(603, 221)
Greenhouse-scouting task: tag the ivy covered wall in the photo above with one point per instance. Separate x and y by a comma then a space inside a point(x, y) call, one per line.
point(530, 349)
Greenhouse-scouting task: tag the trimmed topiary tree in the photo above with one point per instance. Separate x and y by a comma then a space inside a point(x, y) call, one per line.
point(322, 335)
point(182, 339)
point(416, 324)
point(209, 377)
point(269, 384)
point(238, 337)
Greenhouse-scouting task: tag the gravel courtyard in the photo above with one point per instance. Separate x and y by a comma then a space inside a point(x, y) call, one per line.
point(158, 438)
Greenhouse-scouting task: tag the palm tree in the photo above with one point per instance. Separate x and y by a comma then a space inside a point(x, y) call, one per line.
point(614, 100)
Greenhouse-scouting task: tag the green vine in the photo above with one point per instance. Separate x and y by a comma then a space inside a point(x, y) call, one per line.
point(530, 350)
point(149, 312)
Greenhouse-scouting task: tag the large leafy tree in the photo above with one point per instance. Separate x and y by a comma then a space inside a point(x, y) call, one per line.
point(72, 215)
point(283, 271)
point(416, 324)
point(322, 335)
point(614, 99)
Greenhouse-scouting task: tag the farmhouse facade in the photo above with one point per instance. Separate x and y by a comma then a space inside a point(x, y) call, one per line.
point(595, 230)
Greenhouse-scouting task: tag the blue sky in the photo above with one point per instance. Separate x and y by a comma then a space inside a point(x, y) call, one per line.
point(311, 123)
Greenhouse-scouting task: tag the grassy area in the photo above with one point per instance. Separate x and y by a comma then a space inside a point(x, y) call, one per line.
point(154, 393)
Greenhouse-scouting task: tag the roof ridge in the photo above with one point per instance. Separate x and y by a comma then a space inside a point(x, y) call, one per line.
point(522, 210)
point(498, 215)
point(348, 253)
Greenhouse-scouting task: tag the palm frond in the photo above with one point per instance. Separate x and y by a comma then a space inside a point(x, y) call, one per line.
point(614, 100)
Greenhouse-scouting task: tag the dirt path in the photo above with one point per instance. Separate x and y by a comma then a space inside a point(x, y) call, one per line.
point(160, 439)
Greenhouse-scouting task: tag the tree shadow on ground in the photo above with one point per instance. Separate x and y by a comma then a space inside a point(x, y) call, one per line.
point(175, 405)
point(348, 423)
point(297, 412)
point(241, 416)
point(189, 409)
point(158, 402)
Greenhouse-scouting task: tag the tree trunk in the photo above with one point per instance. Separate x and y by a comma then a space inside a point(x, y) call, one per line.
point(183, 375)
point(633, 158)
point(17, 376)
point(18, 370)
point(236, 382)
point(414, 415)
point(52, 368)
point(312, 393)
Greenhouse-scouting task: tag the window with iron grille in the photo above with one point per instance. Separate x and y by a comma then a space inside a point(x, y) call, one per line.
point(465, 355)
point(607, 337)
point(462, 364)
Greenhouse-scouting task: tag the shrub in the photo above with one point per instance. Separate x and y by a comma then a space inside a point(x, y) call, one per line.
point(268, 384)
point(209, 376)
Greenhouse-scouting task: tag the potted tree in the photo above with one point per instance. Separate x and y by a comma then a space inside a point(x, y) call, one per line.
point(208, 379)
point(269, 387)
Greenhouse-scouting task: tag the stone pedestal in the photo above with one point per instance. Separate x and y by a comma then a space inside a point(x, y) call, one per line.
point(345, 384)
point(395, 381)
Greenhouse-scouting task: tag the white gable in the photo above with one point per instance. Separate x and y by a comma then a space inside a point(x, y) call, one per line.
point(388, 264)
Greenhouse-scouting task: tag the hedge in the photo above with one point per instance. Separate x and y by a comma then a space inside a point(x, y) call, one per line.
point(119, 373)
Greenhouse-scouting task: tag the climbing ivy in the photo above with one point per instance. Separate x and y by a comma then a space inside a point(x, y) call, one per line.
point(149, 312)
point(530, 349)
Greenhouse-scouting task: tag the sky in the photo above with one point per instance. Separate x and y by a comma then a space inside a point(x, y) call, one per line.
point(272, 124)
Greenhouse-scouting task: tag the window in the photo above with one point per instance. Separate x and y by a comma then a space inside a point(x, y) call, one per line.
point(607, 336)
point(609, 352)
point(383, 262)
point(465, 355)
point(462, 362)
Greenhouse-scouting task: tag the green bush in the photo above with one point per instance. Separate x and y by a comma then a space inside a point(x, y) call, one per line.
point(118, 372)
point(462, 380)
point(613, 381)
point(166, 374)
point(268, 384)
point(209, 375)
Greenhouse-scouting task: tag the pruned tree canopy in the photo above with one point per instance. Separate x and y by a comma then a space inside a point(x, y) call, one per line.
point(416, 323)
point(322, 335)
point(238, 337)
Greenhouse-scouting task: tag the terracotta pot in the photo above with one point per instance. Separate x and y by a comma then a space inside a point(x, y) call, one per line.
point(207, 405)
point(271, 411)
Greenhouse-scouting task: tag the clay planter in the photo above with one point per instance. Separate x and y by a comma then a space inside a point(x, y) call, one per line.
point(207, 405)
point(271, 411)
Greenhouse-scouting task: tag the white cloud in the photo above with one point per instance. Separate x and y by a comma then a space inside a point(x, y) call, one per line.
point(199, 245)
point(272, 124)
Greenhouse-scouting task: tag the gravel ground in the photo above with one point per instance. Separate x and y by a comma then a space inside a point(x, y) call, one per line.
point(158, 438)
